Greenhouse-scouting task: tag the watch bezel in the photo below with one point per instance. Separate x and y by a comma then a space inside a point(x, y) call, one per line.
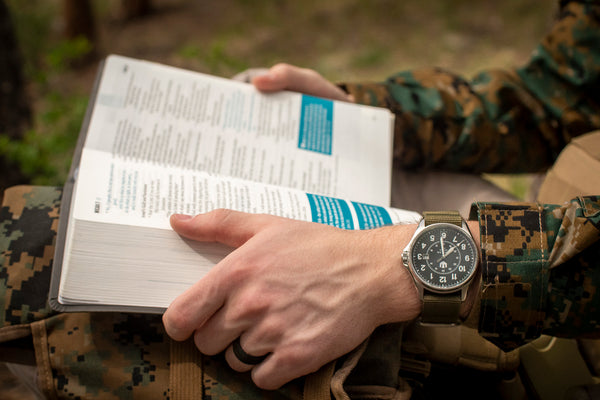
point(422, 230)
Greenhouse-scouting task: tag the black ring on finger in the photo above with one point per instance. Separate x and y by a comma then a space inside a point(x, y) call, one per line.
point(245, 357)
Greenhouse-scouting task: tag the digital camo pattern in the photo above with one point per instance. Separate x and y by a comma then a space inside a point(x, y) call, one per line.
point(540, 270)
point(107, 356)
point(573, 299)
point(514, 247)
point(28, 225)
point(501, 120)
point(127, 356)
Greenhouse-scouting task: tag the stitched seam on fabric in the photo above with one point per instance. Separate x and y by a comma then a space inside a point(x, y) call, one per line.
point(539, 279)
point(537, 260)
point(584, 206)
point(482, 214)
point(542, 274)
point(40, 340)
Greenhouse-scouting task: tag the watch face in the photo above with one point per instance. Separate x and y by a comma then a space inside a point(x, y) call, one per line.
point(443, 257)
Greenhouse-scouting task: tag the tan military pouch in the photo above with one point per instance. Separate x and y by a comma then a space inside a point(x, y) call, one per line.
point(576, 171)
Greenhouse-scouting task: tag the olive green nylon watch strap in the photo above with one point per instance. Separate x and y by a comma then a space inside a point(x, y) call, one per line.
point(441, 308)
point(436, 217)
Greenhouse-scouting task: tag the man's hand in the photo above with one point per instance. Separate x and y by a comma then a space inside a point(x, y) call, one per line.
point(303, 293)
point(307, 81)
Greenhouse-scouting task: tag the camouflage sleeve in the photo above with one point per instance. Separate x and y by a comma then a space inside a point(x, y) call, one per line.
point(540, 270)
point(502, 120)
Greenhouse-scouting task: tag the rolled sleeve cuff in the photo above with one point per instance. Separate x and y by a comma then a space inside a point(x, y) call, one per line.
point(515, 274)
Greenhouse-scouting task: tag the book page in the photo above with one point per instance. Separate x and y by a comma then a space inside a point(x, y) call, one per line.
point(175, 118)
point(121, 249)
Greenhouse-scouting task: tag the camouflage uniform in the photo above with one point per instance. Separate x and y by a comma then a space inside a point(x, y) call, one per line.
point(541, 262)
point(540, 269)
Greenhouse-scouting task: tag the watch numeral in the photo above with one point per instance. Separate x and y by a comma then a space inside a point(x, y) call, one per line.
point(461, 268)
point(442, 279)
point(454, 277)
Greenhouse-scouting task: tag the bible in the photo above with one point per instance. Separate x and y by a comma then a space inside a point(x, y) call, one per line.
point(159, 140)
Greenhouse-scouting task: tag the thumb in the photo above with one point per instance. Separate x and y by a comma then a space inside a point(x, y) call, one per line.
point(232, 228)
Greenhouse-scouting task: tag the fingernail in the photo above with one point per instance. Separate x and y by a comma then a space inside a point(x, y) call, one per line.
point(182, 217)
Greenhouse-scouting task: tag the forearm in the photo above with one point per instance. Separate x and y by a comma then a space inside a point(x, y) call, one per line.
point(500, 121)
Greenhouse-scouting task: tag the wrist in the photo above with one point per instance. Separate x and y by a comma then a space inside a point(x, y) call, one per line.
point(397, 296)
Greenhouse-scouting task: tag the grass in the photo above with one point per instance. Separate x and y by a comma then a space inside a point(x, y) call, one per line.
point(343, 39)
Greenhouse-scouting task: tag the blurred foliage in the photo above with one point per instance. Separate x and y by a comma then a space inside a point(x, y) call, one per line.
point(67, 52)
point(216, 57)
point(45, 152)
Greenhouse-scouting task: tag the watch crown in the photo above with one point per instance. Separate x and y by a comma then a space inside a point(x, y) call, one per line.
point(405, 258)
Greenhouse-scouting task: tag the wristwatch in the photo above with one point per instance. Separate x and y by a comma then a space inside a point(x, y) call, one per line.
point(442, 258)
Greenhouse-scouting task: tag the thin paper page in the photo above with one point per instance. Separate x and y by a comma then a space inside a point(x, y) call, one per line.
point(141, 194)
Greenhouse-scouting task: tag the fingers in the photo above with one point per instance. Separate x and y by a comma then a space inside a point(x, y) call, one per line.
point(270, 370)
point(229, 227)
point(240, 360)
point(194, 307)
point(303, 80)
point(283, 366)
point(190, 310)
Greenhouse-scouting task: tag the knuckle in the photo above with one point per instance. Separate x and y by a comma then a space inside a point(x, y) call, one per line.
point(290, 359)
point(281, 68)
point(271, 330)
point(251, 304)
point(204, 345)
point(265, 382)
point(218, 216)
point(311, 73)
point(219, 223)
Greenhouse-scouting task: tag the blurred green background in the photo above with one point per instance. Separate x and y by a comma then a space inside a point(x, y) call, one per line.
point(345, 40)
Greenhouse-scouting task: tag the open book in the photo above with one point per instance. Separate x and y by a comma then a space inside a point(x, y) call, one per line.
point(158, 140)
